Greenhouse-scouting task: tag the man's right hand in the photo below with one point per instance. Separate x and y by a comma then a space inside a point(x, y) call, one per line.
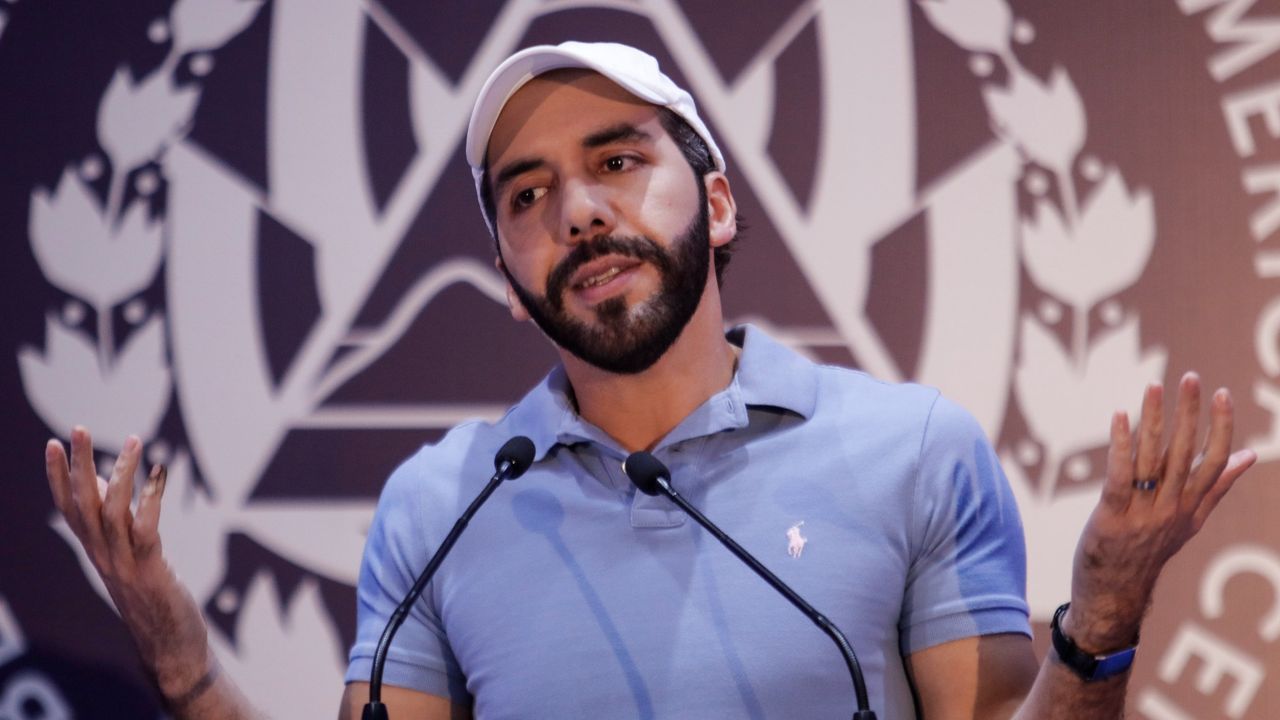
point(124, 547)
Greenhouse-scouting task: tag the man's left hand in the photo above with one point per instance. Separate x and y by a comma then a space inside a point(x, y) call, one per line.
point(1156, 497)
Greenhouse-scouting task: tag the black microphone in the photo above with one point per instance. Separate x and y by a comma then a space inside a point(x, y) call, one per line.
point(510, 463)
point(651, 477)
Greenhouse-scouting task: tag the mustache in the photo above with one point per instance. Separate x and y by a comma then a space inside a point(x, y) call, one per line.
point(638, 247)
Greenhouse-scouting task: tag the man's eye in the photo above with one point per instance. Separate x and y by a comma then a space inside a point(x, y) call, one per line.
point(618, 163)
point(527, 197)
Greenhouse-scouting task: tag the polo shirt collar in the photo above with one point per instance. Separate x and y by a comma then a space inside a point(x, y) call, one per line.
point(772, 374)
point(768, 374)
point(544, 414)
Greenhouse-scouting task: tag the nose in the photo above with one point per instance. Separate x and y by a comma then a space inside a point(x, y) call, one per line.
point(586, 211)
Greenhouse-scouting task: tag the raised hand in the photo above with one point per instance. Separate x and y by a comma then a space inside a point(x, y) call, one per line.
point(124, 546)
point(1156, 498)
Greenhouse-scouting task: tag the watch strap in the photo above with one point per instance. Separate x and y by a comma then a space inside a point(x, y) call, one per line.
point(1088, 666)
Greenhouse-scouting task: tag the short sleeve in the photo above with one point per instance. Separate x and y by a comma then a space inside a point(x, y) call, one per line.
point(397, 549)
point(968, 558)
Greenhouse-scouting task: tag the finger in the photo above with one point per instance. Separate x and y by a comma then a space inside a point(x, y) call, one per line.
point(59, 476)
point(1182, 444)
point(1150, 433)
point(1118, 489)
point(84, 489)
point(1237, 464)
point(117, 521)
point(146, 521)
point(1217, 444)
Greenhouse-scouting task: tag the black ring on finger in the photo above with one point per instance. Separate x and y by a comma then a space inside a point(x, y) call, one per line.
point(1146, 485)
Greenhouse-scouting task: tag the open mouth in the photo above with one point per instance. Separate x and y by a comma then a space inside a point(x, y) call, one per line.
point(599, 279)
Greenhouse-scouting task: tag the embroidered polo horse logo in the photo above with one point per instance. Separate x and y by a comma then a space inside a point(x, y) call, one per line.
point(795, 541)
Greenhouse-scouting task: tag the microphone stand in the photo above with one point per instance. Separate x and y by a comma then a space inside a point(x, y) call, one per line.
point(654, 479)
point(511, 462)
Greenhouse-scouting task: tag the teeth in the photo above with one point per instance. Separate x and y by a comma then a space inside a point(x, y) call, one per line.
point(602, 278)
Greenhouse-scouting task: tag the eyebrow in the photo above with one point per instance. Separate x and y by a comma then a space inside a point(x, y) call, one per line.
point(622, 132)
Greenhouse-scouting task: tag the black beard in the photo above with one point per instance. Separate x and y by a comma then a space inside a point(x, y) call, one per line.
point(626, 340)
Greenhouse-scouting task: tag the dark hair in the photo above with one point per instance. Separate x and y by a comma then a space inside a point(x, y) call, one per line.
point(695, 152)
point(698, 155)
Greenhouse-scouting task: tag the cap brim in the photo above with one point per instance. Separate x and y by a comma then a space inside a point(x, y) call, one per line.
point(520, 69)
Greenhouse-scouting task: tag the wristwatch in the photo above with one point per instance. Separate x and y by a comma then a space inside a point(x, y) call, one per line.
point(1089, 667)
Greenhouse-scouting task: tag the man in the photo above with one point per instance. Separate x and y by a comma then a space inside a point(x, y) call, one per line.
point(574, 596)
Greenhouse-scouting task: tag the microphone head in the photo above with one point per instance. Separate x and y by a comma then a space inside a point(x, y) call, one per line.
point(516, 454)
point(644, 470)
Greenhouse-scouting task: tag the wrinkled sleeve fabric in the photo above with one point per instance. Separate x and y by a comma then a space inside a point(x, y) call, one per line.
point(967, 575)
point(399, 545)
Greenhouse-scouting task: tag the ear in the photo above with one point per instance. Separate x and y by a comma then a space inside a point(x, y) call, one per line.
point(518, 313)
point(722, 211)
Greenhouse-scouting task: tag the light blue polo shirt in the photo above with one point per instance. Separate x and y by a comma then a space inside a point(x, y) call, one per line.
point(573, 596)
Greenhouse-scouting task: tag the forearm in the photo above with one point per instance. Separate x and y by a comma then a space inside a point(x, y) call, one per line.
point(207, 694)
point(1059, 693)
point(1061, 690)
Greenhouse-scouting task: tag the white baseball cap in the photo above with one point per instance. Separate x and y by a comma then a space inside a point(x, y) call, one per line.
point(635, 71)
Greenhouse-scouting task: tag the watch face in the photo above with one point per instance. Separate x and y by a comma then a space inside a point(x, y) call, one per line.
point(1114, 664)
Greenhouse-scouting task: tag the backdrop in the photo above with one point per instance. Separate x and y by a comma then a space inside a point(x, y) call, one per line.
point(244, 230)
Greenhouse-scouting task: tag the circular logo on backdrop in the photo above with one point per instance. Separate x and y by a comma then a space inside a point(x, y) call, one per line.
point(939, 191)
